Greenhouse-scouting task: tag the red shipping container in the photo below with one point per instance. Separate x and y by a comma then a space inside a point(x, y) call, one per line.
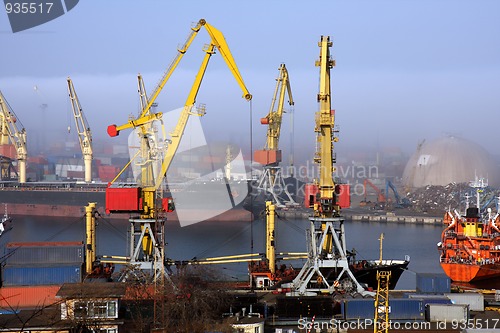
point(76, 174)
point(8, 150)
point(266, 157)
point(37, 160)
point(107, 172)
point(122, 199)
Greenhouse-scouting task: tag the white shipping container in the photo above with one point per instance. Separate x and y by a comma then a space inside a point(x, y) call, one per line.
point(446, 312)
point(475, 300)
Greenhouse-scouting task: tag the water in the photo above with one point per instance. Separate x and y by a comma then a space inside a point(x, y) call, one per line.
point(210, 239)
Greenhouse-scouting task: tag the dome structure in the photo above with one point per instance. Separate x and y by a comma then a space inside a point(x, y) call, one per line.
point(450, 160)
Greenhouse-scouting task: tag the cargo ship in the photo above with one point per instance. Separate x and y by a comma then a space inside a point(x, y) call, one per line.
point(365, 272)
point(470, 243)
point(68, 199)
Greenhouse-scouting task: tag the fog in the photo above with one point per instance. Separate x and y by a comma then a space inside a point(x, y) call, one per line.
point(405, 71)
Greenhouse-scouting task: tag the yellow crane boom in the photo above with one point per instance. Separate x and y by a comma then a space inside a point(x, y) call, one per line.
point(218, 41)
point(17, 136)
point(83, 130)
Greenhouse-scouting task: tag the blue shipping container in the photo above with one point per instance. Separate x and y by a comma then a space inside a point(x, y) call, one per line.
point(433, 283)
point(30, 253)
point(400, 309)
point(41, 275)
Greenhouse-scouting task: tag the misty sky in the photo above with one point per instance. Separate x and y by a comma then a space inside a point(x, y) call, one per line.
point(406, 70)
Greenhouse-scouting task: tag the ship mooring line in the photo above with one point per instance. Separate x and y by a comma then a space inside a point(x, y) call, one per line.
point(80, 219)
point(220, 245)
point(115, 228)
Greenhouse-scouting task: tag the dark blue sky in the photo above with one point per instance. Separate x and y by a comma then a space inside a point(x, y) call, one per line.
point(406, 70)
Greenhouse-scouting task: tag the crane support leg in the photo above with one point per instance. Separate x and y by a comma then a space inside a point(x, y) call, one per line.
point(327, 267)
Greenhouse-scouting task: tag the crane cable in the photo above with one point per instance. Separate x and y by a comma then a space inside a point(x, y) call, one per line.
point(251, 180)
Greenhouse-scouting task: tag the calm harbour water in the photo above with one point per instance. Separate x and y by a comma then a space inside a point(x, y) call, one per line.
point(209, 239)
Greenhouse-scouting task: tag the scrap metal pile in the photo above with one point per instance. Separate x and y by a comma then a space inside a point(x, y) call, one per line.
point(434, 199)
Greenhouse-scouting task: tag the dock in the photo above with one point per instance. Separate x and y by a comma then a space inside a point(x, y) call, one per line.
point(391, 218)
point(358, 216)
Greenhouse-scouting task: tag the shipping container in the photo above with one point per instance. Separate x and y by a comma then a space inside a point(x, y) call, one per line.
point(41, 275)
point(122, 199)
point(447, 312)
point(8, 150)
point(431, 299)
point(30, 297)
point(305, 306)
point(399, 309)
point(266, 157)
point(40, 253)
point(474, 300)
point(433, 283)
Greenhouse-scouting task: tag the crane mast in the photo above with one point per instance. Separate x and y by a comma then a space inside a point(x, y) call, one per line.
point(325, 122)
point(17, 136)
point(83, 131)
point(327, 267)
point(270, 156)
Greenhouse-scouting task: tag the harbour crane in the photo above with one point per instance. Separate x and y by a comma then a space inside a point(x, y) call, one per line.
point(83, 131)
point(144, 200)
point(271, 179)
point(16, 134)
point(327, 267)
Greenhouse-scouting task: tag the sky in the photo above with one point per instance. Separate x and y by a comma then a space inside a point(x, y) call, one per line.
point(406, 70)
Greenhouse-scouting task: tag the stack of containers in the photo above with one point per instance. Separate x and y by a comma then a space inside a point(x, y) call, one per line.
point(42, 263)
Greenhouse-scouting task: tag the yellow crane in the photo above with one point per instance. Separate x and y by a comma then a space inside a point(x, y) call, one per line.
point(155, 155)
point(327, 267)
point(10, 130)
point(83, 131)
point(271, 179)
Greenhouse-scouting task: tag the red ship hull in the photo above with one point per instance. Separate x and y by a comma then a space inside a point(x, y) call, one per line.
point(459, 272)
